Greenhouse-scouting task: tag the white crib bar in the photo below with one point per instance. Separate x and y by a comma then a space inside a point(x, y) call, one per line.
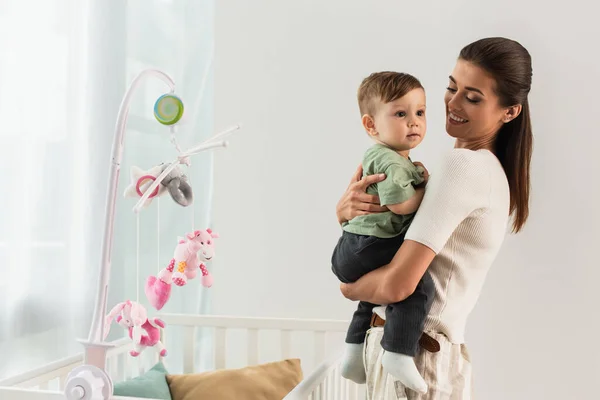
point(189, 340)
point(286, 343)
point(252, 342)
point(113, 366)
point(220, 348)
point(319, 345)
point(128, 362)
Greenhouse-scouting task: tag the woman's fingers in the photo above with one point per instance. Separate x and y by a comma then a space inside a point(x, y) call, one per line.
point(367, 202)
point(367, 208)
point(371, 210)
point(366, 198)
point(367, 181)
point(425, 172)
point(356, 201)
point(357, 175)
point(374, 208)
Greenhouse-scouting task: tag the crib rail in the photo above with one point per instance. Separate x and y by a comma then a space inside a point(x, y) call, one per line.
point(53, 375)
point(307, 339)
point(285, 327)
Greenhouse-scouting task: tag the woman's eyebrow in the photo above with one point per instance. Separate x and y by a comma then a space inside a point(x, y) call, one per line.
point(472, 89)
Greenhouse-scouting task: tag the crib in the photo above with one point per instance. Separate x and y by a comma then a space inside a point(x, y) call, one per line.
point(317, 343)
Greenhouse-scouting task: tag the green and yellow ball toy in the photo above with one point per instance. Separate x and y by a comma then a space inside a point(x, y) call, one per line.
point(168, 109)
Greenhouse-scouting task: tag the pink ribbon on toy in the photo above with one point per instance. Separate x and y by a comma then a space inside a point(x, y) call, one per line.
point(139, 183)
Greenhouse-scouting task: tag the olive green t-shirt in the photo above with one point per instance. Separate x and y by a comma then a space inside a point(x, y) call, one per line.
point(401, 177)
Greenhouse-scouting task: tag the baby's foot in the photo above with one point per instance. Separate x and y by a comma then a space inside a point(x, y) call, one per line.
point(353, 367)
point(134, 353)
point(403, 368)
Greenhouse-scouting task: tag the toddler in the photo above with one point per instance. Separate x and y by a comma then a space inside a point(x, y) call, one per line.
point(392, 106)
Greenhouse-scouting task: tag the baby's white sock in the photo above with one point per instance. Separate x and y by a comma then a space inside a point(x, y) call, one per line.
point(403, 368)
point(353, 367)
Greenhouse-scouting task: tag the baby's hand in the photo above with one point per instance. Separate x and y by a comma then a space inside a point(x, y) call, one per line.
point(425, 172)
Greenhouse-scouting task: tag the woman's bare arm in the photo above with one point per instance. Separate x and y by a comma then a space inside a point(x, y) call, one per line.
point(395, 281)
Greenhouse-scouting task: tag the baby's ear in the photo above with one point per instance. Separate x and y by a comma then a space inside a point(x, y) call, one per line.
point(368, 122)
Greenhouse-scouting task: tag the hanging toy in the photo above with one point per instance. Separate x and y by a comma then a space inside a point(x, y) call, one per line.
point(168, 109)
point(176, 183)
point(190, 255)
point(143, 331)
point(141, 180)
point(168, 177)
point(199, 245)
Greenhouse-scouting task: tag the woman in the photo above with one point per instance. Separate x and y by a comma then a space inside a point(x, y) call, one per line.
point(462, 221)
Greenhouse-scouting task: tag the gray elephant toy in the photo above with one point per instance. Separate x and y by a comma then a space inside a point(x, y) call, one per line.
point(176, 183)
point(178, 187)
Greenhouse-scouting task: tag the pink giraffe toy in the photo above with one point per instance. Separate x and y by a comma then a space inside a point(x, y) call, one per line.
point(190, 254)
point(143, 331)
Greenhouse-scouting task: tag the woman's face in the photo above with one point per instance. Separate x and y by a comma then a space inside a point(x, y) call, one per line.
point(473, 112)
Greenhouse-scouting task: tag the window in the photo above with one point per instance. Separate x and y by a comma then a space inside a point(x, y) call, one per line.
point(54, 159)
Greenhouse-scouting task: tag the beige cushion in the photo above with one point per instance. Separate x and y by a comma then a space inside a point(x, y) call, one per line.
point(259, 382)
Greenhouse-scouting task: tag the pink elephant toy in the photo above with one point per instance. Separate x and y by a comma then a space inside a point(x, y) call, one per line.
point(143, 331)
point(190, 255)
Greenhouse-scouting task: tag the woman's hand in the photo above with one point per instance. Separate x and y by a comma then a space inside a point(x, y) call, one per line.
point(356, 201)
point(346, 292)
point(425, 172)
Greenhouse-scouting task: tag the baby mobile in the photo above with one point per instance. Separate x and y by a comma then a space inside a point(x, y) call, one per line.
point(191, 252)
point(196, 247)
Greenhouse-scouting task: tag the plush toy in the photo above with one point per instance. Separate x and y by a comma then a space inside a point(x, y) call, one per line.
point(190, 255)
point(143, 331)
point(175, 183)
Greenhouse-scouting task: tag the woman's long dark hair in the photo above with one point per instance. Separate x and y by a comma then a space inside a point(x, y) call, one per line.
point(510, 65)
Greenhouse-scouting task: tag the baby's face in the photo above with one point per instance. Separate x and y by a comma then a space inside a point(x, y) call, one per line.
point(401, 124)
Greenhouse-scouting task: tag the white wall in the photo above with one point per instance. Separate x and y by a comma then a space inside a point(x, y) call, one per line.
point(289, 71)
